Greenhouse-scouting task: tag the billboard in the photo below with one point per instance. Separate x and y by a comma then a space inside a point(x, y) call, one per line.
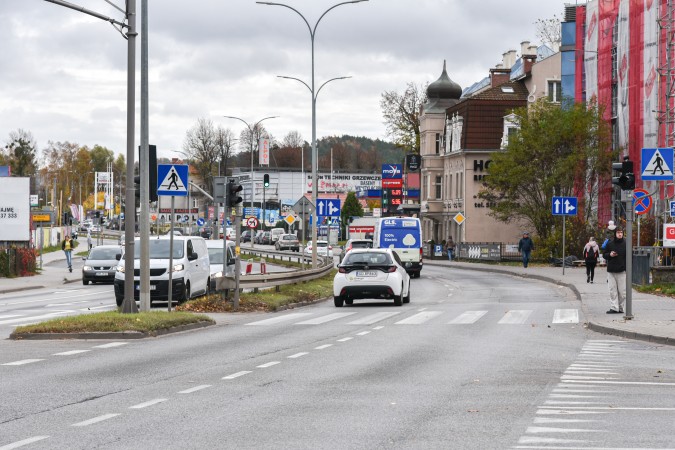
point(15, 209)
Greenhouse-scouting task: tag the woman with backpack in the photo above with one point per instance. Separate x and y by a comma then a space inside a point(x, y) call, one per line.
point(591, 253)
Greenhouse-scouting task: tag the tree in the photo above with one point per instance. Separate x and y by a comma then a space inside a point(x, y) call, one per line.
point(401, 116)
point(351, 208)
point(551, 144)
point(248, 139)
point(549, 32)
point(22, 153)
point(224, 141)
point(100, 157)
point(200, 147)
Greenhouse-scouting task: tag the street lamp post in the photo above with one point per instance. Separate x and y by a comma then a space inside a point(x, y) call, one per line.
point(251, 129)
point(315, 158)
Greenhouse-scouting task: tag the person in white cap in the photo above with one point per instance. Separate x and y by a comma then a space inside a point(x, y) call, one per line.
point(609, 234)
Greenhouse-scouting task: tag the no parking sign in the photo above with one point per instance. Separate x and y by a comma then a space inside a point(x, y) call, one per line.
point(642, 202)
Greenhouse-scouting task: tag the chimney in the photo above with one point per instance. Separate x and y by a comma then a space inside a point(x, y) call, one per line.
point(509, 58)
point(499, 76)
point(524, 48)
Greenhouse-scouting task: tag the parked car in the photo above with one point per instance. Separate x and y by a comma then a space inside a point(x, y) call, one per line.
point(276, 233)
point(215, 249)
point(371, 273)
point(266, 238)
point(258, 236)
point(355, 243)
point(288, 242)
point(100, 264)
point(323, 248)
point(246, 236)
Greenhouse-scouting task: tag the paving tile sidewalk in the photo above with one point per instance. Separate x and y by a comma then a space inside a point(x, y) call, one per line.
point(653, 315)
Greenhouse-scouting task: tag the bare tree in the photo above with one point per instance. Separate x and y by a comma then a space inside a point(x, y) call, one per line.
point(248, 139)
point(292, 140)
point(401, 116)
point(224, 141)
point(549, 32)
point(201, 148)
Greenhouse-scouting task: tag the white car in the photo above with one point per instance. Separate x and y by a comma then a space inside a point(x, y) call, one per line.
point(215, 249)
point(322, 249)
point(371, 273)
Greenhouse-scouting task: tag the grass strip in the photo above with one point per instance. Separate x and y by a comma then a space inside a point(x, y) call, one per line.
point(111, 321)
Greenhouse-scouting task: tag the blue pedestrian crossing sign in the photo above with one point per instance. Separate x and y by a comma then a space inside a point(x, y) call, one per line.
point(328, 207)
point(657, 164)
point(564, 206)
point(172, 180)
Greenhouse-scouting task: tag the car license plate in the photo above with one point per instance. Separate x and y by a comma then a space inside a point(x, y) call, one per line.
point(101, 274)
point(366, 273)
point(152, 287)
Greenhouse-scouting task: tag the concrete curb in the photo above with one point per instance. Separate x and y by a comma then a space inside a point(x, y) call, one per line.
point(630, 334)
point(112, 335)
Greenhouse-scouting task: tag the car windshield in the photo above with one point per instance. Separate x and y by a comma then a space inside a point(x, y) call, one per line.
point(367, 258)
point(362, 244)
point(216, 255)
point(289, 237)
point(104, 253)
point(159, 249)
point(321, 244)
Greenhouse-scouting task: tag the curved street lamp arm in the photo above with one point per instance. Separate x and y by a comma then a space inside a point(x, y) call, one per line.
point(245, 122)
point(296, 79)
point(325, 83)
point(311, 32)
point(88, 11)
point(270, 117)
point(333, 7)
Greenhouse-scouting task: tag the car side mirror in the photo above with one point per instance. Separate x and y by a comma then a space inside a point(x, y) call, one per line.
point(192, 256)
point(118, 256)
point(84, 258)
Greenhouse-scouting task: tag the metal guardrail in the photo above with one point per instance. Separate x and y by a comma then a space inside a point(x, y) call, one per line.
point(324, 267)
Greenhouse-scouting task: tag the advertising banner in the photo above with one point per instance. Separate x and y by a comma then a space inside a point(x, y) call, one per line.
point(15, 209)
point(264, 152)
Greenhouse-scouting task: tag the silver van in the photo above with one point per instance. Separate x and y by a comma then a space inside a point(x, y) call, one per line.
point(191, 270)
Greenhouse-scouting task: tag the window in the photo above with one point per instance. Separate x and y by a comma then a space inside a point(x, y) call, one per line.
point(439, 143)
point(439, 185)
point(554, 91)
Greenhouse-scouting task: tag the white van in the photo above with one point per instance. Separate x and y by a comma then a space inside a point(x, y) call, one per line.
point(191, 269)
point(404, 236)
point(215, 249)
point(276, 232)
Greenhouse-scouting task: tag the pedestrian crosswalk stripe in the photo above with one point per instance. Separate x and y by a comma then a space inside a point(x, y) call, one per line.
point(324, 319)
point(419, 318)
point(275, 320)
point(372, 318)
point(566, 316)
point(515, 316)
point(468, 317)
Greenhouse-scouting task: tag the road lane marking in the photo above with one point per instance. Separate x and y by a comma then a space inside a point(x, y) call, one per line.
point(269, 364)
point(533, 430)
point(298, 355)
point(363, 333)
point(565, 411)
point(71, 352)
point(326, 318)
point(573, 396)
point(51, 305)
point(378, 328)
point(276, 320)
point(566, 316)
point(111, 345)
point(588, 372)
point(18, 444)
point(467, 318)
point(644, 383)
point(419, 318)
point(195, 389)
point(557, 420)
point(372, 318)
point(345, 339)
point(236, 375)
point(148, 403)
point(22, 362)
point(39, 318)
point(515, 316)
point(95, 420)
point(11, 315)
point(321, 347)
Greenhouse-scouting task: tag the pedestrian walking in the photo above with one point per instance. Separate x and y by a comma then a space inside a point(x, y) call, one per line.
point(67, 247)
point(591, 254)
point(89, 240)
point(525, 247)
point(609, 234)
point(450, 248)
point(615, 255)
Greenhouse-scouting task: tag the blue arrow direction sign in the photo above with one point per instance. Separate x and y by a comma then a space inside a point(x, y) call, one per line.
point(328, 207)
point(564, 206)
point(657, 164)
point(672, 209)
point(172, 180)
point(200, 222)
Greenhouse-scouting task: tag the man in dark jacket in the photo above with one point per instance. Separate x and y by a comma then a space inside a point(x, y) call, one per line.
point(615, 255)
point(525, 246)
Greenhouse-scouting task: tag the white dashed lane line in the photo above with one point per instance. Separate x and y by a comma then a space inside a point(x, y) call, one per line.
point(269, 364)
point(111, 345)
point(345, 339)
point(94, 420)
point(18, 444)
point(236, 375)
point(195, 389)
point(298, 355)
point(321, 347)
point(148, 403)
point(22, 362)
point(71, 352)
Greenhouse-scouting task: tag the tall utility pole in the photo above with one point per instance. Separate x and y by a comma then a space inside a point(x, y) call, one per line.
point(129, 305)
point(144, 169)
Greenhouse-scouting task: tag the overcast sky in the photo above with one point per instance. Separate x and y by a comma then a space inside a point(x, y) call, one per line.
point(63, 73)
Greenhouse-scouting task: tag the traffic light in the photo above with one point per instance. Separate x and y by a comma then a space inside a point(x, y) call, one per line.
point(385, 198)
point(626, 178)
point(137, 190)
point(152, 175)
point(233, 190)
point(266, 180)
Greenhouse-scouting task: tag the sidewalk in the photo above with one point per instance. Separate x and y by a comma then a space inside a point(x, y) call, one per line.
point(54, 273)
point(653, 315)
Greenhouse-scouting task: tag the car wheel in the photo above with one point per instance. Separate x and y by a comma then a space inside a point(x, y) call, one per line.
point(398, 300)
point(207, 291)
point(349, 301)
point(85, 282)
point(119, 300)
point(186, 294)
point(338, 301)
point(406, 299)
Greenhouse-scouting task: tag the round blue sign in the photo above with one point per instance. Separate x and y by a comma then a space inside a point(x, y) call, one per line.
point(642, 202)
point(200, 222)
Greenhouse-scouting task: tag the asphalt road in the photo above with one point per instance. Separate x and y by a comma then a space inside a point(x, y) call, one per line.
point(476, 360)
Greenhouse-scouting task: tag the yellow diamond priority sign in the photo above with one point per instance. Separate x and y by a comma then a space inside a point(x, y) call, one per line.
point(459, 218)
point(290, 219)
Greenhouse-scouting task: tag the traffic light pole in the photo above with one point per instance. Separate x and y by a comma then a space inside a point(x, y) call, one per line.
point(629, 254)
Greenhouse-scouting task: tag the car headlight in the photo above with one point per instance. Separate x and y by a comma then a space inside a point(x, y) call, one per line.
point(217, 274)
point(178, 267)
point(120, 268)
point(87, 268)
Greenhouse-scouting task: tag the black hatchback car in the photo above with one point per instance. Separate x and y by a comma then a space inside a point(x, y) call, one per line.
point(100, 264)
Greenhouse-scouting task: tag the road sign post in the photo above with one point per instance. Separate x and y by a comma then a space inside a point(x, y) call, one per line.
point(564, 206)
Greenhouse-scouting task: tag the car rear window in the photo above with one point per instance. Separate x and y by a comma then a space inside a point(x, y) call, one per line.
point(104, 253)
point(362, 245)
point(367, 258)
